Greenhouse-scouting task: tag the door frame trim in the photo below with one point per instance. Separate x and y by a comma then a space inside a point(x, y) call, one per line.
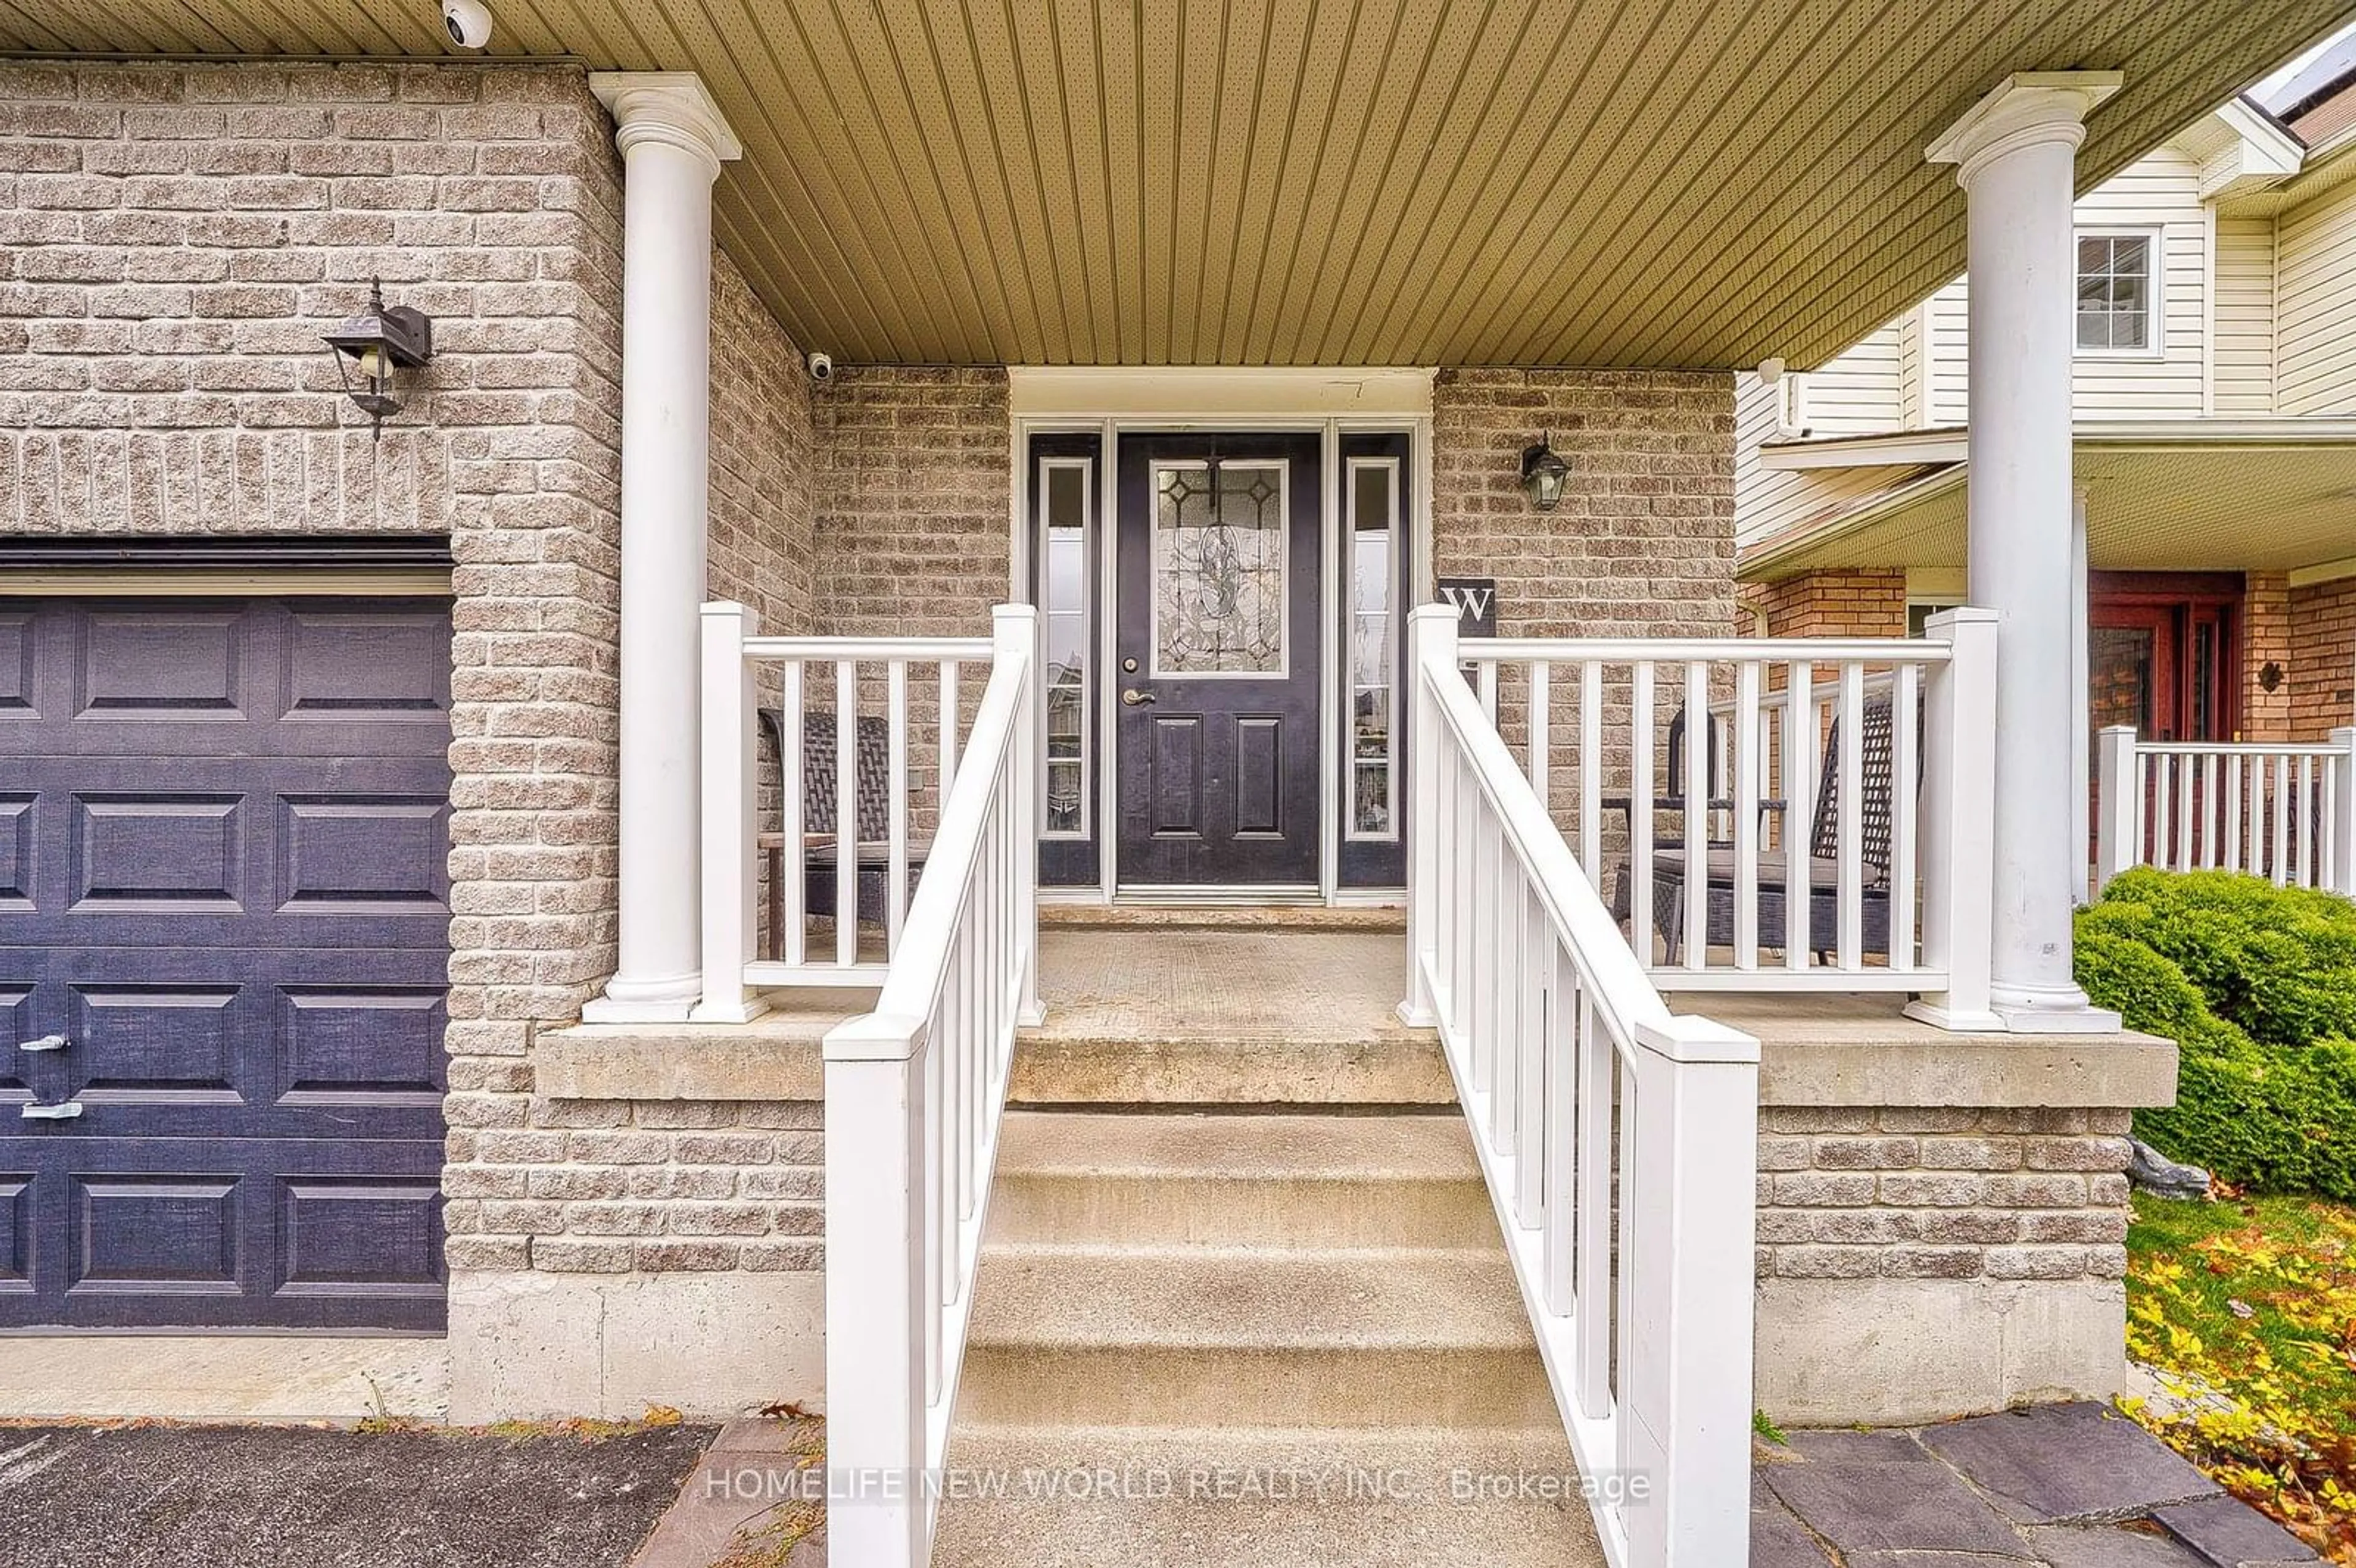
point(1332, 669)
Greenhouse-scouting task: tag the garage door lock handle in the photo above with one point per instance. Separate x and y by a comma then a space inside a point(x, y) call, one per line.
point(64, 1111)
point(47, 1042)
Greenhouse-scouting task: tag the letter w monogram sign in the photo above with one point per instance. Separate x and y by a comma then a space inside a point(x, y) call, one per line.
point(1476, 599)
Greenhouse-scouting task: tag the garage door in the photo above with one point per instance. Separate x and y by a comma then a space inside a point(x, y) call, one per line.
point(223, 946)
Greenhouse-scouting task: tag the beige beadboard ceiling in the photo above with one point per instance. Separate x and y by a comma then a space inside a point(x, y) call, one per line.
point(2251, 506)
point(1679, 183)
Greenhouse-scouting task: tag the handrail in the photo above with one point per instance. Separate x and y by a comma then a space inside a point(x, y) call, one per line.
point(916, 1091)
point(867, 650)
point(1618, 1141)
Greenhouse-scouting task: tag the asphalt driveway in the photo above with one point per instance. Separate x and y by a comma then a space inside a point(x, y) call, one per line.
point(248, 1497)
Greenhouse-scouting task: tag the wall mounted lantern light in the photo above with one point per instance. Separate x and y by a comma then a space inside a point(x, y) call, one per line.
point(374, 347)
point(1544, 473)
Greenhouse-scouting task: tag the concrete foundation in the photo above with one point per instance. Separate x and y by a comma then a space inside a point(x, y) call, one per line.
point(533, 1345)
point(1890, 1351)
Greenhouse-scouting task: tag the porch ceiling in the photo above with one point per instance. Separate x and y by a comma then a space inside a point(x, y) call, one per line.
point(2151, 505)
point(1686, 184)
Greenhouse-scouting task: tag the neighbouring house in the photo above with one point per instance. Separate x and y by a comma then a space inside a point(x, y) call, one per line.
point(2214, 419)
point(532, 823)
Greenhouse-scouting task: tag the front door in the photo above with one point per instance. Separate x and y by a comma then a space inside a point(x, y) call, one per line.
point(1217, 660)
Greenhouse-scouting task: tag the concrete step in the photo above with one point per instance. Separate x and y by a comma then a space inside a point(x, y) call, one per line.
point(1198, 1179)
point(1213, 1499)
point(1249, 1338)
point(1060, 916)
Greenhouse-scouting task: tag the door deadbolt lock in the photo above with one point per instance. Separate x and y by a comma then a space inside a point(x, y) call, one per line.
point(1129, 667)
point(1133, 697)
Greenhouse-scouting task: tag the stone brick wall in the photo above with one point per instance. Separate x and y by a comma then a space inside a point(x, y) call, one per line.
point(2323, 669)
point(1941, 1193)
point(912, 504)
point(2267, 636)
point(1642, 545)
point(761, 544)
point(1829, 604)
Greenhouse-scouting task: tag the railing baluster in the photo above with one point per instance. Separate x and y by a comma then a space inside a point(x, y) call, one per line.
point(1591, 1380)
point(947, 746)
point(1484, 948)
point(1529, 1076)
point(2162, 774)
point(895, 896)
point(1591, 769)
point(2307, 821)
point(1904, 771)
point(1800, 764)
point(1563, 1055)
point(793, 856)
point(1640, 812)
point(1696, 786)
point(2210, 811)
point(2281, 809)
point(2234, 812)
point(2187, 810)
point(1801, 881)
point(1540, 723)
point(1487, 674)
point(846, 812)
point(1743, 739)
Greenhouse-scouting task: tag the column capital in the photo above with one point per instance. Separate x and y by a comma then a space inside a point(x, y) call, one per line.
point(672, 107)
point(2026, 108)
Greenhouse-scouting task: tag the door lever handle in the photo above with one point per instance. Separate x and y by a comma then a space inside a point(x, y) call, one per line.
point(64, 1111)
point(47, 1042)
point(1132, 697)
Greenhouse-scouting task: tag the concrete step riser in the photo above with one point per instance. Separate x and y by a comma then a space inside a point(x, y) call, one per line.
point(1291, 1388)
point(1181, 1210)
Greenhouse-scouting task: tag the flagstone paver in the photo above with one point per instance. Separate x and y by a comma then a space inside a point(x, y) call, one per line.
point(2222, 1530)
point(2054, 1462)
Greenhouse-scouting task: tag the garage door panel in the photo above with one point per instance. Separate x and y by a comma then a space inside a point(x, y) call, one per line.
point(141, 663)
point(142, 853)
point(381, 855)
point(224, 882)
point(361, 666)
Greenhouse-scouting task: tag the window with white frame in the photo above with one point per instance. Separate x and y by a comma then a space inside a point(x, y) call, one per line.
point(1064, 526)
point(2118, 292)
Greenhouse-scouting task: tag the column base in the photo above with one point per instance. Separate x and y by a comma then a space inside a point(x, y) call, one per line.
point(667, 1001)
point(2063, 1009)
point(1956, 1020)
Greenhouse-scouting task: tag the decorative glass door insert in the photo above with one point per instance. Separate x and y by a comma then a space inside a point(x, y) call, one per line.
point(1221, 532)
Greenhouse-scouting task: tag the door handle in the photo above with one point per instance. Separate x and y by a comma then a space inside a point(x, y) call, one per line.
point(64, 1111)
point(1132, 697)
point(47, 1042)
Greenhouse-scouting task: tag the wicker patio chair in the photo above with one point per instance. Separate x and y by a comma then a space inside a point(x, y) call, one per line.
point(871, 813)
point(1671, 866)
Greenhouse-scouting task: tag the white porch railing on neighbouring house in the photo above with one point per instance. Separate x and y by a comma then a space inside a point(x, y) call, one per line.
point(2277, 810)
point(1619, 1142)
point(1820, 870)
point(839, 712)
point(914, 1092)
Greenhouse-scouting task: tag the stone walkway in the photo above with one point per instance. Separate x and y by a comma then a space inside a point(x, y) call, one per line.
point(2069, 1486)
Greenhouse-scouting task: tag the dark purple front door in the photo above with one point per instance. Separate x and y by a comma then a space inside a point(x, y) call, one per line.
point(224, 928)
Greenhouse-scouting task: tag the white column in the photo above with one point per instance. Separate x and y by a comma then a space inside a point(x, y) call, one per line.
point(2015, 151)
point(2082, 739)
point(673, 140)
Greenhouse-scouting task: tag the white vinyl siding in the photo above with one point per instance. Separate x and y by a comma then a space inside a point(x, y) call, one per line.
point(1946, 318)
point(1856, 393)
point(2315, 285)
point(2158, 195)
point(2246, 316)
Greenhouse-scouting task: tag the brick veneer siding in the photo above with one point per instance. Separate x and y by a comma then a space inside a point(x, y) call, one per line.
point(2266, 637)
point(173, 241)
point(2323, 663)
point(1828, 604)
point(1941, 1193)
point(911, 500)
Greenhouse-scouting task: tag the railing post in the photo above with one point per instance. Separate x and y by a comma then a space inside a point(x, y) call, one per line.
point(1690, 1226)
point(1958, 820)
point(731, 869)
point(2341, 878)
point(2118, 809)
point(1014, 631)
point(1431, 645)
point(875, 1327)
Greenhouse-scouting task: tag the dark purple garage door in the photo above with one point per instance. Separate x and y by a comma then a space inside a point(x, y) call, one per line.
point(223, 887)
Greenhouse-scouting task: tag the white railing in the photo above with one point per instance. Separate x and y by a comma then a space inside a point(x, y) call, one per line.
point(1619, 1141)
point(830, 679)
point(914, 1092)
point(2283, 811)
point(1879, 887)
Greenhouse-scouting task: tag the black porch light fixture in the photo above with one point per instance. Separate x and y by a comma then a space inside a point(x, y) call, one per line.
point(1544, 473)
point(373, 347)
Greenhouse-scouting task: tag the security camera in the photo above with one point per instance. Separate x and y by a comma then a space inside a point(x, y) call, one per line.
point(468, 23)
point(821, 367)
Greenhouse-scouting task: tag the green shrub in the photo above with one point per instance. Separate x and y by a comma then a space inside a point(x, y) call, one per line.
point(2257, 986)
